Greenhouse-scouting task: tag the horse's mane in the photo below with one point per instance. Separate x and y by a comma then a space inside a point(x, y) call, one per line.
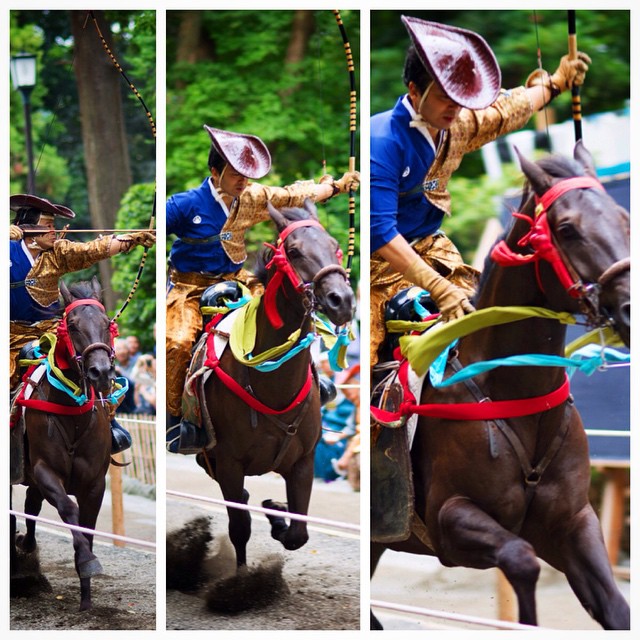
point(557, 166)
point(292, 214)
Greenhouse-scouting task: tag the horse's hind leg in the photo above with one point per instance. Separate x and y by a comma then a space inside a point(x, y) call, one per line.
point(583, 557)
point(472, 538)
point(32, 507)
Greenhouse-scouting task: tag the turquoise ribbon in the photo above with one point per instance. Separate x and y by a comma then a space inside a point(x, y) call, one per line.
point(588, 359)
point(334, 353)
point(270, 365)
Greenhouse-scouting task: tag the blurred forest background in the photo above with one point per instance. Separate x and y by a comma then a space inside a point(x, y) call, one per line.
point(93, 144)
point(515, 37)
point(280, 75)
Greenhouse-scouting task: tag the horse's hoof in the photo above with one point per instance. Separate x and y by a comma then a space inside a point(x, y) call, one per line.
point(90, 568)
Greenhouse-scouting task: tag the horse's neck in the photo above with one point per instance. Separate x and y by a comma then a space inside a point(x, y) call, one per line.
point(516, 286)
point(292, 312)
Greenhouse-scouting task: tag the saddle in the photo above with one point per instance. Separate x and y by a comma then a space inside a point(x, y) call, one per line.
point(194, 408)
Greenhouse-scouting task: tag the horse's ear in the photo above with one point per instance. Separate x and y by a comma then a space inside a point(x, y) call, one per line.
point(540, 180)
point(64, 291)
point(97, 288)
point(585, 159)
point(277, 217)
point(310, 208)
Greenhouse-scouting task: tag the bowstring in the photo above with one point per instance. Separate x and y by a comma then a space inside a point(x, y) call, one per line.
point(540, 68)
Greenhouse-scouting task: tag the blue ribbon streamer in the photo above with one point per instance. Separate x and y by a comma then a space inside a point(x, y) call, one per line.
point(588, 359)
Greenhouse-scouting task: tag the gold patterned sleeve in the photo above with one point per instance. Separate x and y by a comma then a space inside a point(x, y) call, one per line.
point(510, 112)
point(292, 195)
point(73, 256)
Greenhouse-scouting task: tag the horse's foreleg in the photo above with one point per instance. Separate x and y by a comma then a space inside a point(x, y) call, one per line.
point(472, 538)
point(231, 481)
point(376, 551)
point(299, 482)
point(583, 558)
point(52, 489)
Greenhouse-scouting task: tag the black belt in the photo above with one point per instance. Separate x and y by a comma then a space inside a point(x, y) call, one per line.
point(226, 235)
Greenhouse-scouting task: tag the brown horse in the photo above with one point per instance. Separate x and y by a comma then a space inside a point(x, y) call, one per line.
point(69, 454)
point(280, 432)
point(502, 493)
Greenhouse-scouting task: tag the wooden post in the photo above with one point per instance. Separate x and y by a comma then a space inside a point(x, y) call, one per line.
point(612, 511)
point(507, 601)
point(117, 505)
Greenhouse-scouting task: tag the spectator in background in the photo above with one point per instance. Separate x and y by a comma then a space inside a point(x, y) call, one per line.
point(144, 378)
point(124, 363)
point(339, 425)
point(348, 465)
point(133, 343)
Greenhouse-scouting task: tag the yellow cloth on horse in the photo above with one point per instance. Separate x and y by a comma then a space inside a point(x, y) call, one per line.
point(421, 351)
point(243, 337)
point(606, 336)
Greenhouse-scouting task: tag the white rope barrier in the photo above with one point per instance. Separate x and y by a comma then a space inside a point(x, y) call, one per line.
point(604, 432)
point(454, 617)
point(271, 512)
point(73, 527)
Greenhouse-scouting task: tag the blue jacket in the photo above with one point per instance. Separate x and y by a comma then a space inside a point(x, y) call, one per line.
point(400, 159)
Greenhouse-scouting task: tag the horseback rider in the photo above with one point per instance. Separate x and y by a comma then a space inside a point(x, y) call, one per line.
point(454, 105)
point(38, 259)
point(210, 222)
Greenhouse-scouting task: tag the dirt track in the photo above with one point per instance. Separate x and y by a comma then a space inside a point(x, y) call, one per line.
point(321, 579)
point(124, 596)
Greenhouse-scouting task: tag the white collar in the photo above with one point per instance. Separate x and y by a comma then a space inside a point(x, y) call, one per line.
point(218, 198)
point(418, 119)
point(28, 253)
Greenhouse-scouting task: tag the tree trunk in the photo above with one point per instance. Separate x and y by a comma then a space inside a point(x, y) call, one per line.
point(103, 132)
point(302, 29)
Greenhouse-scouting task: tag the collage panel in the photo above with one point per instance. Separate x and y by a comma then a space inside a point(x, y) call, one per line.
point(262, 349)
point(82, 311)
point(500, 319)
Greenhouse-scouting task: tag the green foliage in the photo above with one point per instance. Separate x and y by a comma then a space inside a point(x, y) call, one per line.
point(139, 316)
point(475, 201)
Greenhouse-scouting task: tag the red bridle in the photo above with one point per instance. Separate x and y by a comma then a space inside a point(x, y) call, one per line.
point(284, 269)
point(65, 345)
point(540, 239)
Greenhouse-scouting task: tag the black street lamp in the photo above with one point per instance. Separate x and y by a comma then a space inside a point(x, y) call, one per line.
point(23, 75)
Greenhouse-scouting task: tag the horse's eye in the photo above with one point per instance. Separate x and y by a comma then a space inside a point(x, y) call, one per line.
point(293, 253)
point(567, 231)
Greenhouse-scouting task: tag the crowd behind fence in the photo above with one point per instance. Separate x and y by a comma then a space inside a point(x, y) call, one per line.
point(142, 454)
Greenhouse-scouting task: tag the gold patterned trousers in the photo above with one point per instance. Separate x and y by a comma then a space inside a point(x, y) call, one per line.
point(21, 335)
point(440, 254)
point(184, 324)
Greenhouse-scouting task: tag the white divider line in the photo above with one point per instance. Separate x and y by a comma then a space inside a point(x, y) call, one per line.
point(270, 512)
point(73, 527)
point(454, 617)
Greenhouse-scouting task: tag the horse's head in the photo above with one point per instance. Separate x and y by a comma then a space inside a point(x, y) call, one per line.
point(89, 333)
point(585, 236)
point(314, 256)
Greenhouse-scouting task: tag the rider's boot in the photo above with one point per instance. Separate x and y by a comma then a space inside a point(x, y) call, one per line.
point(328, 391)
point(120, 437)
point(184, 437)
